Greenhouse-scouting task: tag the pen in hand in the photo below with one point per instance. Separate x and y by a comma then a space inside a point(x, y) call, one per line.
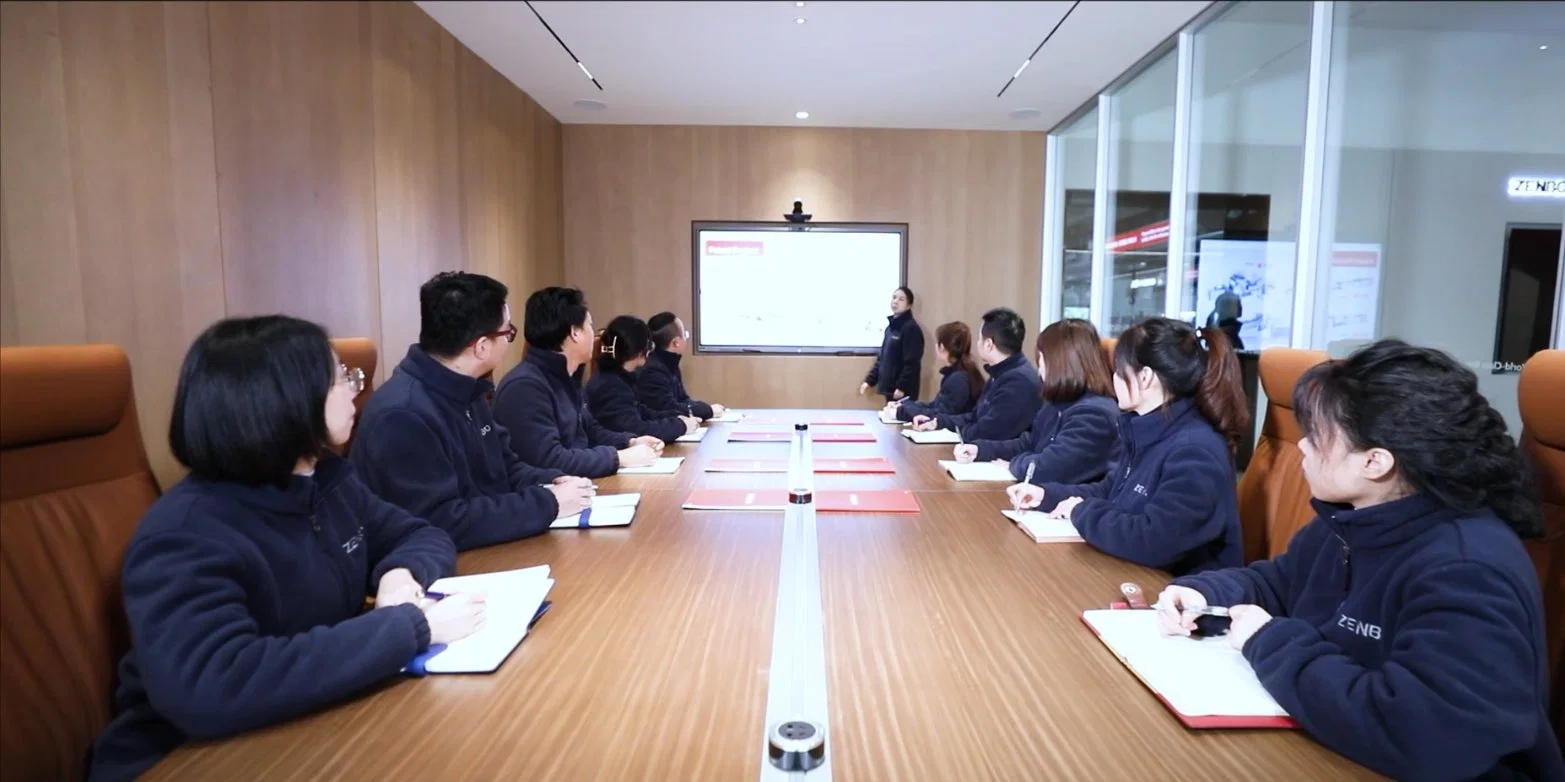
point(1017, 499)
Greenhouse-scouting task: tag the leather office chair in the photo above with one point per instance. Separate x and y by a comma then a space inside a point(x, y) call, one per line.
point(1543, 445)
point(74, 483)
point(358, 353)
point(1108, 350)
point(1274, 498)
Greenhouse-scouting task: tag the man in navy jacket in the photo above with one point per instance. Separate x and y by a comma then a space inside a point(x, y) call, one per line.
point(541, 400)
point(428, 442)
point(1013, 394)
point(660, 385)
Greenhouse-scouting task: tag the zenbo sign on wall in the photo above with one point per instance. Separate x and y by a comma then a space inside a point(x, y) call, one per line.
point(1535, 187)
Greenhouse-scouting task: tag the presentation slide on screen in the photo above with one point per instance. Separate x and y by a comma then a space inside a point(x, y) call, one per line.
point(785, 290)
point(1262, 274)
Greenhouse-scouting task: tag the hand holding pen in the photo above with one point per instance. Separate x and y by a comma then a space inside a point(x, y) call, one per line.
point(1016, 497)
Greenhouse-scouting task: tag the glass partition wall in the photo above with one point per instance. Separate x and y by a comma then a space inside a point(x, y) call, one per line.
point(1323, 174)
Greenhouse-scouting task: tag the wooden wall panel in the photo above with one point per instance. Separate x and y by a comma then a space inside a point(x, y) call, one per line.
point(973, 202)
point(418, 183)
point(163, 165)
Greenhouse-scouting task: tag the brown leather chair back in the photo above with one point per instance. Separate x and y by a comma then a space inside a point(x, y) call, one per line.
point(74, 483)
point(1274, 499)
point(1108, 350)
point(358, 353)
point(1543, 445)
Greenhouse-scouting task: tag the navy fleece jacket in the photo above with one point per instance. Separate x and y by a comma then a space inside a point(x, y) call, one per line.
point(611, 398)
point(1070, 442)
point(1406, 636)
point(1169, 501)
point(550, 425)
point(1005, 408)
point(246, 608)
point(955, 397)
point(900, 364)
point(427, 443)
point(660, 387)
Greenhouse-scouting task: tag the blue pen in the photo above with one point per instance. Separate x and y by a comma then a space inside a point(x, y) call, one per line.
point(436, 595)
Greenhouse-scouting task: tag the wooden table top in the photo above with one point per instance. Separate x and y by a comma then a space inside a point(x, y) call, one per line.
point(954, 651)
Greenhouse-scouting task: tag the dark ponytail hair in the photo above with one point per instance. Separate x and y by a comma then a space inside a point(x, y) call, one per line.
point(625, 339)
point(1199, 365)
point(1424, 407)
point(957, 339)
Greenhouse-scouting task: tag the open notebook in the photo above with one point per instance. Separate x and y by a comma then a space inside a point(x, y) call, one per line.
point(1205, 682)
point(977, 471)
point(608, 510)
point(514, 599)
point(728, 417)
point(1042, 527)
point(665, 465)
point(889, 417)
point(694, 437)
point(937, 437)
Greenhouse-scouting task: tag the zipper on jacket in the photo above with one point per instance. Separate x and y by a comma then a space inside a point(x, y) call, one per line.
point(315, 524)
point(1347, 567)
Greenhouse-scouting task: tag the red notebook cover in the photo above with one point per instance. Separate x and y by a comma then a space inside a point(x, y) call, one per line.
point(893, 501)
point(861, 436)
point(819, 437)
point(1207, 722)
point(823, 420)
point(856, 464)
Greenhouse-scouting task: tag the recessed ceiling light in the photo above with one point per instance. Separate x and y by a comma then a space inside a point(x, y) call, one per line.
point(801, 115)
point(588, 104)
point(798, 20)
point(1025, 113)
point(1543, 48)
point(799, 4)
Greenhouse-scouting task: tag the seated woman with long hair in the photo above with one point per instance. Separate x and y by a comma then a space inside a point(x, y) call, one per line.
point(1404, 626)
point(1074, 433)
point(611, 393)
point(245, 585)
point(961, 381)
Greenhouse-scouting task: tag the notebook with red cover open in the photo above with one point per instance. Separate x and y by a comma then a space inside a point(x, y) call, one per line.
point(1206, 683)
point(835, 501)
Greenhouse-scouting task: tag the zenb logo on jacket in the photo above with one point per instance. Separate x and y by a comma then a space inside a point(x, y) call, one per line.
point(1406, 636)
point(1169, 502)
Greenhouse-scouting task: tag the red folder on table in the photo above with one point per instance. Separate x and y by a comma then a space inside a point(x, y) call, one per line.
point(864, 436)
point(1206, 683)
point(816, 420)
point(856, 464)
point(890, 501)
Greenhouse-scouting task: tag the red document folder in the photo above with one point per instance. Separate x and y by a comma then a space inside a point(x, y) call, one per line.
point(817, 420)
point(892, 501)
point(856, 464)
point(864, 436)
point(1210, 672)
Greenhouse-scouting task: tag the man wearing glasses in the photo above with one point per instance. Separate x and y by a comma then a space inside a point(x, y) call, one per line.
point(428, 442)
point(660, 386)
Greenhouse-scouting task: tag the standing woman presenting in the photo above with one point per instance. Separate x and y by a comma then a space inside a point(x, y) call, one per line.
point(900, 365)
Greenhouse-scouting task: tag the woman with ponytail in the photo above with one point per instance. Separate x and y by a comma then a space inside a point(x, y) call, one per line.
point(622, 349)
point(1403, 627)
point(961, 381)
point(1169, 501)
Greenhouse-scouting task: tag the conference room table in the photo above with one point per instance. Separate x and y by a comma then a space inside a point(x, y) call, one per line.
point(953, 644)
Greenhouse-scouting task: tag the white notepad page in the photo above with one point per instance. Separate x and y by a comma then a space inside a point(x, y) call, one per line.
point(889, 416)
point(513, 598)
point(693, 437)
point(937, 437)
point(1199, 677)
point(977, 471)
point(1043, 528)
point(626, 500)
point(728, 417)
point(607, 516)
point(666, 465)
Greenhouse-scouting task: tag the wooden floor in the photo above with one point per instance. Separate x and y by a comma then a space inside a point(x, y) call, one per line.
point(953, 647)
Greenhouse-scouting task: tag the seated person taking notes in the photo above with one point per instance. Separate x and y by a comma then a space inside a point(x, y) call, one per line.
point(427, 441)
point(541, 402)
point(611, 393)
point(1169, 500)
point(660, 385)
point(961, 381)
point(1074, 434)
point(1403, 627)
point(1013, 395)
point(245, 584)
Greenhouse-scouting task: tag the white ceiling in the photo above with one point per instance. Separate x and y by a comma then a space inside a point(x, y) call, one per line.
point(852, 64)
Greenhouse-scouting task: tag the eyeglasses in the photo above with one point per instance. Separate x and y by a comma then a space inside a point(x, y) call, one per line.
point(509, 332)
point(353, 377)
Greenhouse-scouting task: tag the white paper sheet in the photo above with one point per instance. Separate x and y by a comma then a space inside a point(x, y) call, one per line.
point(977, 471)
point(666, 465)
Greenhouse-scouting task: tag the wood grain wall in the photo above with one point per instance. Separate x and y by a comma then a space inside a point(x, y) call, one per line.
point(163, 165)
point(973, 202)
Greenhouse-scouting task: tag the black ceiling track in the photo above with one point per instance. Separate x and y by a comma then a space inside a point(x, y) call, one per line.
point(1028, 61)
point(567, 49)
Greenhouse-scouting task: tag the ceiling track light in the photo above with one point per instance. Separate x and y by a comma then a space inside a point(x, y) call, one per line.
point(567, 49)
point(1028, 61)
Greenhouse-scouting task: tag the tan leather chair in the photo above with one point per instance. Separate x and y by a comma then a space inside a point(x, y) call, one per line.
point(1543, 444)
point(1274, 498)
point(74, 482)
point(358, 353)
point(1108, 350)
